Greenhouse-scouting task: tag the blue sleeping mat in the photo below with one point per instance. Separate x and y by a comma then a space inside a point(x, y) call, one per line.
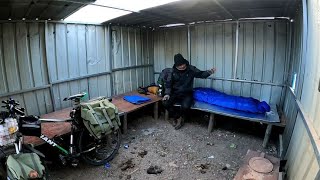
point(240, 103)
point(134, 99)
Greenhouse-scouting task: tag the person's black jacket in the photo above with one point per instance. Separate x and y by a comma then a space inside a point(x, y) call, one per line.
point(181, 82)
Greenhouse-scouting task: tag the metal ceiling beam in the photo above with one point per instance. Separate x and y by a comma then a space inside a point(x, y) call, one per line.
point(224, 9)
point(31, 5)
point(45, 10)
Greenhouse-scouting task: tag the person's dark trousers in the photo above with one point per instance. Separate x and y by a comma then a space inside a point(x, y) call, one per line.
point(185, 101)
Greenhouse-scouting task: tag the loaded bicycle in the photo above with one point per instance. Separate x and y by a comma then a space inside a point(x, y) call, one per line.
point(94, 142)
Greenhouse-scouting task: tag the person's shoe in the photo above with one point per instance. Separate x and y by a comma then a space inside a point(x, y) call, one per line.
point(174, 122)
point(180, 123)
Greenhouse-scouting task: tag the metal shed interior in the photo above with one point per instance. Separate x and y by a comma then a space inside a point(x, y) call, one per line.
point(43, 59)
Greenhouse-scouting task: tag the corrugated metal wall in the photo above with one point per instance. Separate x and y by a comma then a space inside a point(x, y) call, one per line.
point(23, 66)
point(40, 63)
point(167, 43)
point(262, 56)
point(132, 58)
point(213, 45)
point(303, 150)
point(74, 51)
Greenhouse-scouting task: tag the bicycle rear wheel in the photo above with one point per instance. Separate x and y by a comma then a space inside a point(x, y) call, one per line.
point(98, 152)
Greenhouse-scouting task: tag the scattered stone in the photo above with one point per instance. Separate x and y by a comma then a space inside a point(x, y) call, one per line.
point(202, 168)
point(226, 167)
point(162, 153)
point(210, 144)
point(154, 170)
point(126, 165)
point(233, 146)
point(172, 164)
point(142, 153)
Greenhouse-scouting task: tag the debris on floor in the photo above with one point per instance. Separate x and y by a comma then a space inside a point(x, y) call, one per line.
point(126, 165)
point(173, 164)
point(210, 144)
point(169, 150)
point(107, 166)
point(142, 153)
point(226, 167)
point(154, 170)
point(202, 167)
point(233, 146)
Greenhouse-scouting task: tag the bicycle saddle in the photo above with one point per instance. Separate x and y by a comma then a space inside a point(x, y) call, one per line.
point(73, 97)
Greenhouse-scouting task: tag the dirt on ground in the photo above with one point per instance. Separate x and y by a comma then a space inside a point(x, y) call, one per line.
point(189, 153)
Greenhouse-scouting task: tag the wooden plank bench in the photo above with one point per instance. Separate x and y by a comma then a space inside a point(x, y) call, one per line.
point(126, 107)
point(271, 119)
point(52, 129)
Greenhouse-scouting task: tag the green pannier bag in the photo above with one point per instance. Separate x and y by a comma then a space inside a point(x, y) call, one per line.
point(20, 165)
point(100, 117)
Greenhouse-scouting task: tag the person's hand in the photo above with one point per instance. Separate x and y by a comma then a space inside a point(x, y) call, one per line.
point(213, 70)
point(166, 97)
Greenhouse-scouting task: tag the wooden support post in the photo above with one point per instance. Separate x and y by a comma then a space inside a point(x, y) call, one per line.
point(280, 145)
point(166, 115)
point(267, 136)
point(211, 123)
point(125, 123)
point(156, 110)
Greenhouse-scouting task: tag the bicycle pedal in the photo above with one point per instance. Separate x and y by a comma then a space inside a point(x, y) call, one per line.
point(74, 163)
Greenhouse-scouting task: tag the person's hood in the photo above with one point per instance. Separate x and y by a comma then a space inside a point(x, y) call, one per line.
point(179, 60)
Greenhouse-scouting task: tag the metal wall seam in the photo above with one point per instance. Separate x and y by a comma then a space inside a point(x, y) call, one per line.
point(236, 51)
point(48, 66)
point(108, 35)
point(189, 44)
point(304, 44)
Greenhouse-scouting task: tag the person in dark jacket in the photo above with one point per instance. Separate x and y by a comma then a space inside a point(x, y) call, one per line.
point(179, 88)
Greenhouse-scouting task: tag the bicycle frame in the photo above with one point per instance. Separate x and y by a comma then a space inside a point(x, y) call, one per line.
point(51, 142)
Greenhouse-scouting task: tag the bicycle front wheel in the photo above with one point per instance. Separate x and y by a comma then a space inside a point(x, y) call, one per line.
point(98, 152)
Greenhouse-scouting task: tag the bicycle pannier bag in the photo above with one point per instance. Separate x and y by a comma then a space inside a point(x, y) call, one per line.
point(100, 117)
point(25, 166)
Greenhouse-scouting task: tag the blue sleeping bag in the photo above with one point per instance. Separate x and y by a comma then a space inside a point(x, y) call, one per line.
point(240, 103)
point(136, 99)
